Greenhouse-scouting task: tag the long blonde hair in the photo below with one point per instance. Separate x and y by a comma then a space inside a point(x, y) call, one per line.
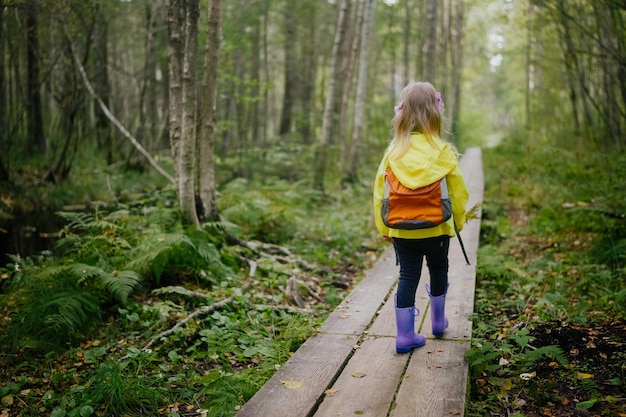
point(419, 111)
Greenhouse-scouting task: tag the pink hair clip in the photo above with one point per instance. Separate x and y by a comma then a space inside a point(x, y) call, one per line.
point(397, 108)
point(439, 100)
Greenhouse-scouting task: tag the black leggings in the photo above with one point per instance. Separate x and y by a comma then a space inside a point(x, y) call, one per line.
point(411, 253)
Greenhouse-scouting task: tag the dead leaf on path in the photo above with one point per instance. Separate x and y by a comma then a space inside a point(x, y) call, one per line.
point(437, 365)
point(358, 374)
point(330, 391)
point(291, 384)
point(455, 412)
point(345, 315)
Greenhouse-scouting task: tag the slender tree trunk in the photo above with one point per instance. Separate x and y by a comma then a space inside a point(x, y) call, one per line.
point(186, 179)
point(361, 92)
point(309, 74)
point(101, 84)
point(4, 172)
point(291, 73)
point(349, 50)
point(457, 64)
point(321, 152)
point(528, 66)
point(349, 54)
point(407, 41)
point(206, 160)
point(36, 140)
point(175, 8)
point(430, 41)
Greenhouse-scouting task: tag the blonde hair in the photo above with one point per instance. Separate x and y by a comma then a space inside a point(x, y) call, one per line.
point(419, 112)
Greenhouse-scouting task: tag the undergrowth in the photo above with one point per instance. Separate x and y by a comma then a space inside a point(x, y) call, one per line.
point(95, 327)
point(551, 258)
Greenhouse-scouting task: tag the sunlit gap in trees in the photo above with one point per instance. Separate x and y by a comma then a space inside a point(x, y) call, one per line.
point(496, 41)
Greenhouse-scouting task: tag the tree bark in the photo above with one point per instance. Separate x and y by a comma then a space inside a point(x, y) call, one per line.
point(186, 178)
point(4, 172)
point(36, 140)
point(175, 53)
point(457, 65)
point(361, 92)
point(430, 41)
point(101, 84)
point(206, 160)
point(321, 152)
point(291, 73)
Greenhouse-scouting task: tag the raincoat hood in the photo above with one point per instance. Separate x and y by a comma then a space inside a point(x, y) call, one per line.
point(422, 164)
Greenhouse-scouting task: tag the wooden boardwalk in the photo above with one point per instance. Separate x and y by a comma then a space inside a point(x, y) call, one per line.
point(351, 368)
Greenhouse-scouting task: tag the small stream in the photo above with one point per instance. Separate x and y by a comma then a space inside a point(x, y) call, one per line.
point(28, 234)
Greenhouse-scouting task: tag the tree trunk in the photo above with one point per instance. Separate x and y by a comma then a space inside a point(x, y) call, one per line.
point(206, 161)
point(361, 91)
point(291, 73)
point(36, 140)
point(430, 41)
point(4, 172)
point(406, 35)
point(186, 179)
point(309, 74)
point(101, 84)
point(529, 65)
point(321, 152)
point(175, 49)
point(457, 64)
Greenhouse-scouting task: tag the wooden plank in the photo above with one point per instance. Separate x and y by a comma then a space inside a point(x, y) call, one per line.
point(314, 365)
point(367, 385)
point(358, 309)
point(435, 381)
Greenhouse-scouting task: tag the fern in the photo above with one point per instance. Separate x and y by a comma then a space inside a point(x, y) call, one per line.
point(120, 284)
point(52, 318)
point(553, 352)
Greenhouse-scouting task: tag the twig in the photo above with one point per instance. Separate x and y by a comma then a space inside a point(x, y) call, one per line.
point(200, 312)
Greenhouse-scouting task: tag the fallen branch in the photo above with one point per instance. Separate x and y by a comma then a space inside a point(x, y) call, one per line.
point(292, 290)
point(200, 312)
point(112, 118)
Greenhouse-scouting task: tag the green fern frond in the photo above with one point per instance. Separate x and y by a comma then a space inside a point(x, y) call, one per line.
point(122, 283)
point(152, 247)
point(52, 318)
point(590, 387)
point(553, 352)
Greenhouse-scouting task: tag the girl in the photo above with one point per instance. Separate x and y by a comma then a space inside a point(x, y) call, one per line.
point(418, 156)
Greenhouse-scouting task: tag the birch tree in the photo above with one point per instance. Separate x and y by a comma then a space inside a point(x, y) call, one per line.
point(206, 146)
point(361, 92)
point(183, 53)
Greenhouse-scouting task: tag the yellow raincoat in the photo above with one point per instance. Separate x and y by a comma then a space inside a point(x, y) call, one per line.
point(423, 164)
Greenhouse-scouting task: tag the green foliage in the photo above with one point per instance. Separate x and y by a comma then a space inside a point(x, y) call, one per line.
point(552, 251)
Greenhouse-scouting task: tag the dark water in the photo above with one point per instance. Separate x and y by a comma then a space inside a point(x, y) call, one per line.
point(28, 234)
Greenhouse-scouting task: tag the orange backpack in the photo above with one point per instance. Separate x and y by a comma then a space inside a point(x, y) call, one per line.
point(410, 209)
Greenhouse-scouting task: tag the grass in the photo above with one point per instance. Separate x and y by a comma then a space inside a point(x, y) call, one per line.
point(549, 311)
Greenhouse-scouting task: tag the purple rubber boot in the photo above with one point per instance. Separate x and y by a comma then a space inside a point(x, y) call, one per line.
point(438, 312)
point(406, 338)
